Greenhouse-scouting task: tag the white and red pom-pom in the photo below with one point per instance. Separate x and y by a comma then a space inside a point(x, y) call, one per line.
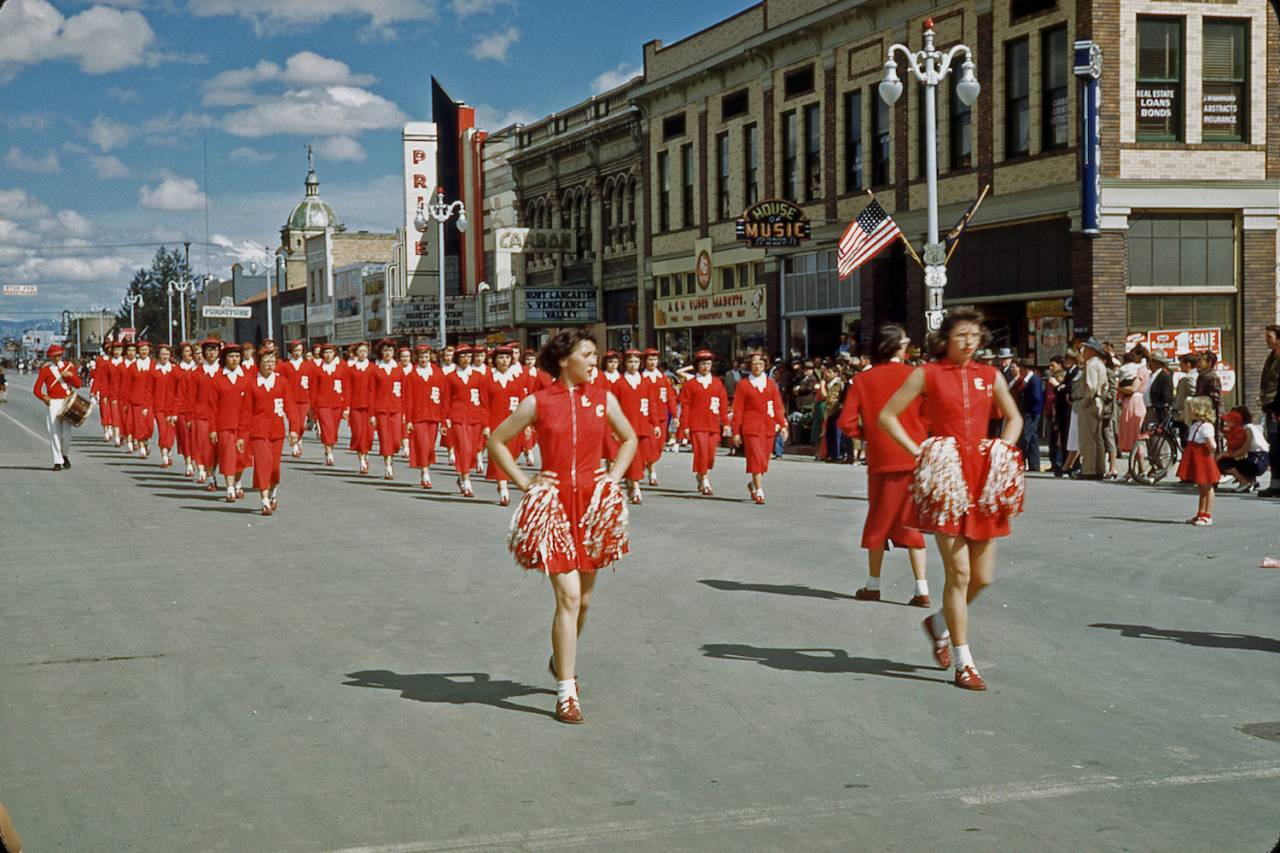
point(540, 529)
point(1005, 488)
point(604, 526)
point(938, 485)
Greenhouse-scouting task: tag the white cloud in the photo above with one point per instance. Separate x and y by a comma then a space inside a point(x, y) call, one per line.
point(109, 166)
point(121, 94)
point(66, 224)
point(172, 193)
point(47, 165)
point(276, 16)
point(27, 121)
point(108, 134)
point(340, 148)
point(491, 118)
point(467, 8)
point(169, 128)
point(20, 204)
point(495, 45)
point(251, 155)
point(81, 269)
point(615, 77)
point(235, 87)
point(100, 39)
point(325, 111)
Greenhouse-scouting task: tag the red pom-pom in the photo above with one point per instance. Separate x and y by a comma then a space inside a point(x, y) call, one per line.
point(1005, 487)
point(938, 485)
point(540, 529)
point(604, 526)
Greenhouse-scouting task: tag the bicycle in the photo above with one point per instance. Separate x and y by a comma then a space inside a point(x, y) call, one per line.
point(1153, 458)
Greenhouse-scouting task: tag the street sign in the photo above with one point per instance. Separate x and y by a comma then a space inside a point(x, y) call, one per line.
point(933, 319)
point(226, 312)
point(935, 254)
point(933, 298)
point(20, 290)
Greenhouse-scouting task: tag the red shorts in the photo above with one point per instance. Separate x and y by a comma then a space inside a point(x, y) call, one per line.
point(266, 462)
point(390, 433)
point(889, 511)
point(704, 450)
point(758, 449)
point(329, 418)
point(422, 443)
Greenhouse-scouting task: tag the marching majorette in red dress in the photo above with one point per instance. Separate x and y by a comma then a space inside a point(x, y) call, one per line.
point(360, 404)
point(608, 378)
point(758, 417)
point(659, 415)
point(184, 405)
point(203, 422)
point(637, 399)
point(331, 398)
point(56, 381)
point(425, 412)
point(144, 411)
point(387, 393)
point(889, 467)
point(228, 388)
point(572, 520)
point(704, 417)
point(466, 416)
point(263, 417)
point(404, 358)
point(296, 371)
point(505, 391)
point(164, 390)
point(966, 487)
point(124, 387)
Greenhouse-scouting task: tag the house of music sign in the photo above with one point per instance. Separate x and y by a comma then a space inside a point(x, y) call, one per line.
point(773, 223)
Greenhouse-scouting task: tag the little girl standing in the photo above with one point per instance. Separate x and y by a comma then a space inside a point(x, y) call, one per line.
point(1198, 465)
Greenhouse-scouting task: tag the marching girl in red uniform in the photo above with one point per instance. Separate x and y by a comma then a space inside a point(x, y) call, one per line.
point(203, 421)
point(117, 405)
point(99, 383)
point(360, 404)
point(960, 398)
point(758, 417)
point(704, 417)
point(570, 418)
point(659, 415)
point(607, 379)
point(447, 366)
point(125, 375)
point(262, 427)
point(466, 416)
point(637, 400)
point(387, 393)
point(184, 405)
point(404, 358)
point(505, 391)
point(228, 388)
point(296, 373)
point(425, 411)
point(889, 467)
point(164, 390)
point(535, 380)
point(331, 398)
point(143, 394)
point(247, 365)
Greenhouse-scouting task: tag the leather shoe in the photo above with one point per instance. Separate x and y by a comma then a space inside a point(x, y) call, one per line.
point(967, 678)
point(941, 650)
point(865, 594)
point(918, 601)
point(66, 463)
point(569, 711)
point(1269, 492)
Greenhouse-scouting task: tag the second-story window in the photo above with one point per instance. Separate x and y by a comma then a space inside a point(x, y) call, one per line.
point(790, 156)
point(1017, 98)
point(960, 128)
point(880, 138)
point(664, 191)
point(1159, 89)
point(812, 152)
point(1054, 130)
point(686, 196)
point(751, 165)
point(722, 175)
point(1226, 92)
point(852, 141)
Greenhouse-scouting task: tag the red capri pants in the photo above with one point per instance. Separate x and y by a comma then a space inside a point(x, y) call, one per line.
point(390, 433)
point(144, 421)
point(329, 418)
point(266, 462)
point(422, 443)
point(230, 460)
point(361, 432)
point(704, 450)
point(467, 442)
point(889, 512)
point(165, 431)
point(205, 452)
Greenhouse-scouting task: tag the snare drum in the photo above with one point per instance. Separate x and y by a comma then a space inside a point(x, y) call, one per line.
point(75, 410)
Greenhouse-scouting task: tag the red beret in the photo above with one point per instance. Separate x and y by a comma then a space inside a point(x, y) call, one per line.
point(462, 349)
point(611, 354)
point(650, 351)
point(632, 352)
point(704, 355)
point(328, 345)
point(298, 343)
point(424, 348)
point(55, 349)
point(211, 343)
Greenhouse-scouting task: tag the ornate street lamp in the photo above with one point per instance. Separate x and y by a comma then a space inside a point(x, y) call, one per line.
point(440, 212)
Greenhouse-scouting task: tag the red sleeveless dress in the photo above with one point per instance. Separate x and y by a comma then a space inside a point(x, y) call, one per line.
point(570, 428)
point(958, 402)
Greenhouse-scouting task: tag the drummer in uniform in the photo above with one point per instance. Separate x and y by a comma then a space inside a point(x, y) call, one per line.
point(54, 384)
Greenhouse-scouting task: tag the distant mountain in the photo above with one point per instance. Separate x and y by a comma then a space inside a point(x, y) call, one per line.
point(10, 328)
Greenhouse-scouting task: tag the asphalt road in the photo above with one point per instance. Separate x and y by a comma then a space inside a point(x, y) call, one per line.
point(365, 671)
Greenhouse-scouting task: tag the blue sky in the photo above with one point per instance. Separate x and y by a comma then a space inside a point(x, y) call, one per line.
point(106, 108)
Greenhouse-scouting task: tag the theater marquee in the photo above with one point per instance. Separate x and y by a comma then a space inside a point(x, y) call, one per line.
point(772, 224)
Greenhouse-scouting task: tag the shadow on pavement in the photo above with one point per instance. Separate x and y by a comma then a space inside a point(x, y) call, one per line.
point(776, 589)
point(843, 497)
point(1207, 639)
point(818, 660)
point(452, 688)
point(1138, 520)
point(48, 468)
point(231, 509)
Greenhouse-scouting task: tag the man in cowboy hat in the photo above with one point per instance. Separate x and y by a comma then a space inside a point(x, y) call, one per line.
point(55, 383)
point(1086, 397)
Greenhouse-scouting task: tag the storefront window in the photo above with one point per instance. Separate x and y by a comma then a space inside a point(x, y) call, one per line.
point(1226, 92)
point(1017, 101)
point(1159, 90)
point(1181, 251)
point(1054, 77)
point(675, 342)
point(1150, 313)
point(748, 338)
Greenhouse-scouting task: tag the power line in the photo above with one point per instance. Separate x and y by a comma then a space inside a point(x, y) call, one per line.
point(89, 246)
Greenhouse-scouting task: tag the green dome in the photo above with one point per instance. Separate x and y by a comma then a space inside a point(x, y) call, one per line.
point(312, 213)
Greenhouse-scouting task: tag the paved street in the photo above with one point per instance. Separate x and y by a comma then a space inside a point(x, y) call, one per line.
point(366, 671)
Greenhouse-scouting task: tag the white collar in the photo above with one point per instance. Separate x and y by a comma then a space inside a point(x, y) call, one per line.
point(360, 365)
point(633, 379)
point(130, 362)
point(424, 372)
point(117, 359)
point(211, 369)
point(651, 374)
point(188, 365)
point(517, 367)
point(329, 368)
point(612, 377)
point(268, 382)
point(246, 363)
point(503, 378)
point(387, 366)
point(464, 374)
point(704, 381)
point(233, 375)
point(164, 368)
point(143, 363)
point(449, 368)
point(296, 364)
point(758, 382)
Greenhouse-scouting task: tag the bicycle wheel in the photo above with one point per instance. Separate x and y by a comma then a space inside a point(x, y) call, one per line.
point(1162, 454)
point(1139, 466)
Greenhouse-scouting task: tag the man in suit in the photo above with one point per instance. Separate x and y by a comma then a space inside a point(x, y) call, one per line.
point(1160, 388)
point(1030, 399)
point(1086, 397)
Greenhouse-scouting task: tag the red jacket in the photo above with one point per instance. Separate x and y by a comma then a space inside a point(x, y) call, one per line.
point(466, 401)
point(202, 391)
point(505, 393)
point(703, 409)
point(536, 379)
point(164, 385)
point(100, 379)
point(331, 386)
point(124, 382)
point(228, 399)
point(47, 384)
point(143, 388)
point(300, 377)
point(757, 412)
point(865, 399)
point(666, 397)
point(360, 394)
point(185, 397)
point(425, 400)
point(638, 403)
point(263, 409)
point(388, 389)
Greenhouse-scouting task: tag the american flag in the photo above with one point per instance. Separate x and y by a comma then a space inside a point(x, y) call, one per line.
point(867, 234)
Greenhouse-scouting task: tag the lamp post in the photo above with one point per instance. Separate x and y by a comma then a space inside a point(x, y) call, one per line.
point(253, 270)
point(440, 212)
point(930, 67)
point(133, 300)
point(180, 286)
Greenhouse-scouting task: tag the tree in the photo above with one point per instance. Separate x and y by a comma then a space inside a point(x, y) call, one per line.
point(152, 314)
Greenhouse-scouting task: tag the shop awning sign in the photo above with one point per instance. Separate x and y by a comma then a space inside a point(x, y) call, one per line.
point(226, 312)
point(773, 223)
point(1175, 342)
point(739, 306)
point(20, 290)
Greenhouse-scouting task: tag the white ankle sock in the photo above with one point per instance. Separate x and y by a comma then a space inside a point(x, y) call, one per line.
point(939, 624)
point(873, 583)
point(963, 658)
point(922, 587)
point(566, 689)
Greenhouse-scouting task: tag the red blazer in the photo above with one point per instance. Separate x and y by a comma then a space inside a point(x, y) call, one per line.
point(387, 387)
point(124, 382)
point(638, 403)
point(202, 392)
point(425, 400)
point(227, 399)
point(666, 397)
point(143, 391)
point(466, 402)
point(300, 377)
point(871, 389)
point(504, 398)
point(164, 385)
point(100, 379)
point(185, 395)
point(536, 379)
point(703, 409)
point(360, 394)
point(331, 388)
point(47, 384)
point(755, 412)
point(263, 409)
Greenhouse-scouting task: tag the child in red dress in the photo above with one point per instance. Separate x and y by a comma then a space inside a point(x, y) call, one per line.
point(1198, 464)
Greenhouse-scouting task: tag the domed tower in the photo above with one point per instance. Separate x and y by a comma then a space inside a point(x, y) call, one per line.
point(310, 217)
